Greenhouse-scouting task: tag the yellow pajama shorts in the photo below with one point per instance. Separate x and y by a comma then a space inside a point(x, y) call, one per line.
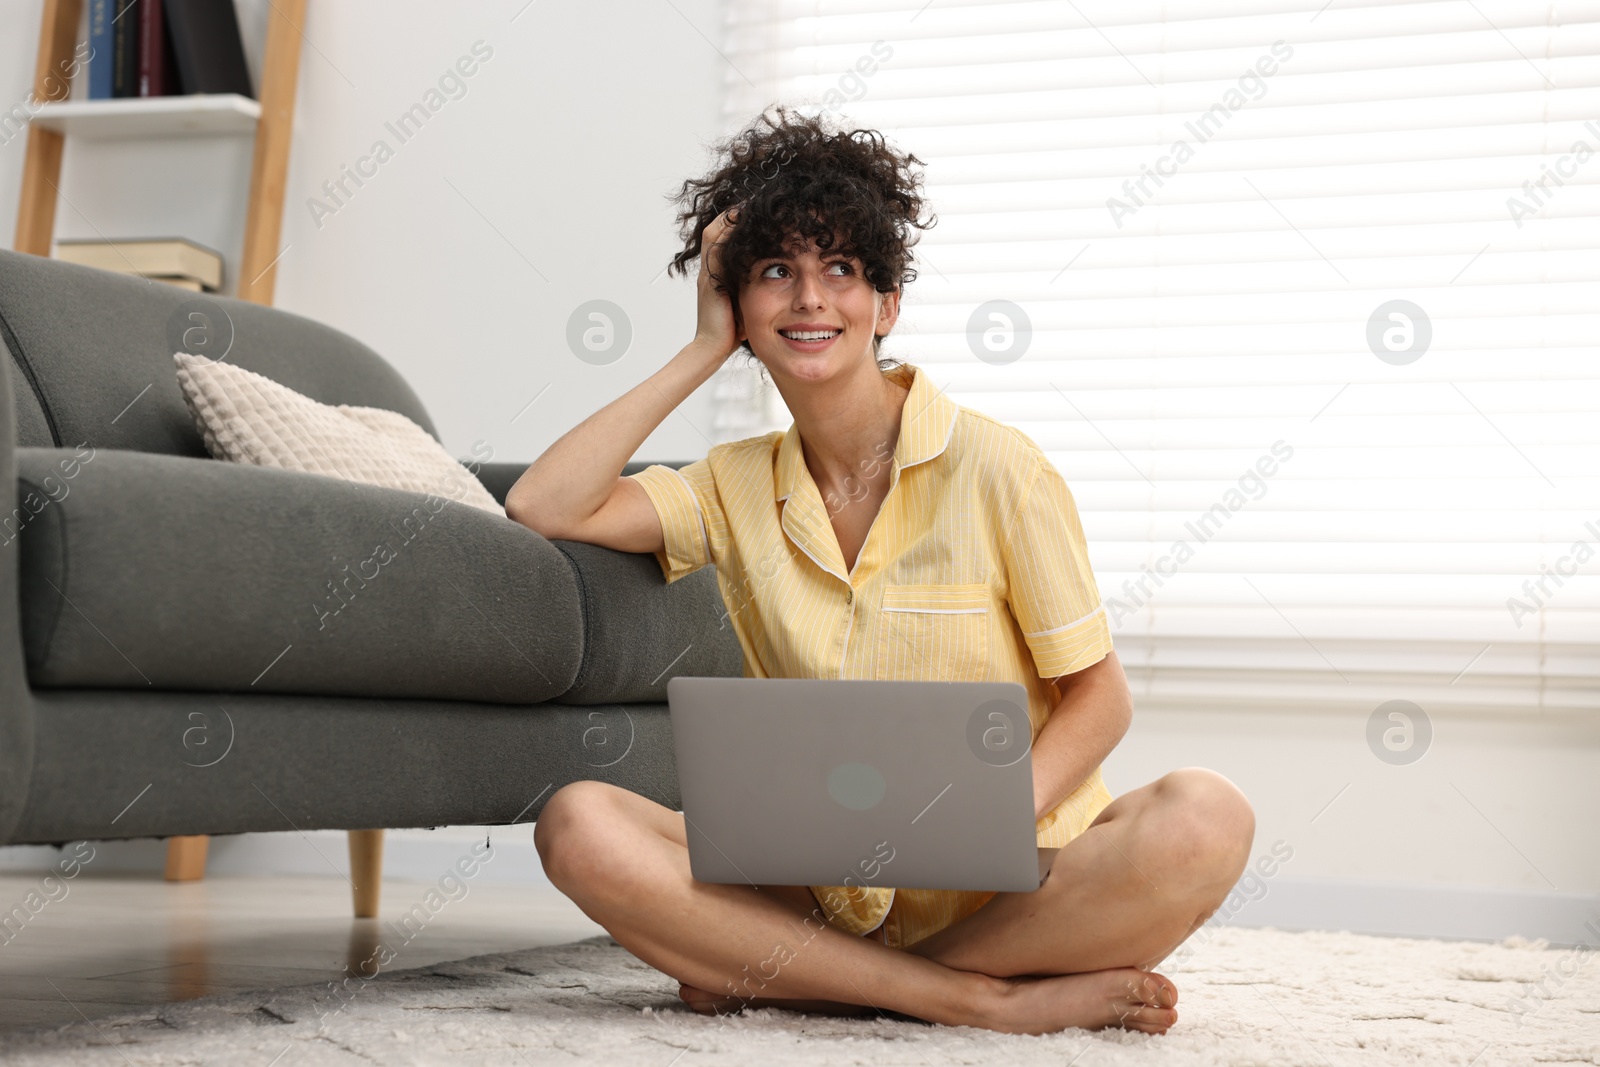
point(909, 915)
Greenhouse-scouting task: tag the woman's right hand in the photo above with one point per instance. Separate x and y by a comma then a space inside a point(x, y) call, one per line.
point(716, 333)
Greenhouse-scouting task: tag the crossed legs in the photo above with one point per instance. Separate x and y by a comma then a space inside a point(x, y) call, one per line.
point(1153, 866)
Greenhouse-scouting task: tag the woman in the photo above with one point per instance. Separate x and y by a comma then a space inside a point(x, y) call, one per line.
point(888, 534)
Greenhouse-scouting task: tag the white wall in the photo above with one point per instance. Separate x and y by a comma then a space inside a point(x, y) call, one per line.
point(565, 141)
point(1489, 834)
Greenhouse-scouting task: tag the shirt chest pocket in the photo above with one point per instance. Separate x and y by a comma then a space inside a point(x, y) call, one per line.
point(934, 633)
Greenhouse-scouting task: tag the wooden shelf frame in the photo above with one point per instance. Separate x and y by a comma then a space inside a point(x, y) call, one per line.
point(162, 115)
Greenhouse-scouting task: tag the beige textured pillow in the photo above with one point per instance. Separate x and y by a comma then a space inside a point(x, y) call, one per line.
point(247, 418)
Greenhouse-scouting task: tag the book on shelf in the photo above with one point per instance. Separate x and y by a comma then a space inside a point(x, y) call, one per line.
point(101, 12)
point(207, 47)
point(124, 57)
point(165, 48)
point(128, 30)
point(158, 75)
point(166, 259)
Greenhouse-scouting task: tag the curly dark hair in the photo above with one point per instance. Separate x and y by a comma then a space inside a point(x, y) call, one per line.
point(795, 180)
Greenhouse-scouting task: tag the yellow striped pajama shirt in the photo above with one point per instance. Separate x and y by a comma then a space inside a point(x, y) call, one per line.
point(974, 569)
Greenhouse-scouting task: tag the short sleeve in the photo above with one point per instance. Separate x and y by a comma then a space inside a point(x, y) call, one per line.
point(1052, 591)
point(682, 497)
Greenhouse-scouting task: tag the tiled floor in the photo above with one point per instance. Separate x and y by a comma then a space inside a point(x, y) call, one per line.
point(117, 943)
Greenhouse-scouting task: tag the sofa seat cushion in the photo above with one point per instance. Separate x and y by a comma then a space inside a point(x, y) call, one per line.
point(141, 570)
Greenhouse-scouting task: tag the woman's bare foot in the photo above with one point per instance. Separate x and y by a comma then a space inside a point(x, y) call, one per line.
point(707, 1003)
point(1094, 1000)
point(1125, 997)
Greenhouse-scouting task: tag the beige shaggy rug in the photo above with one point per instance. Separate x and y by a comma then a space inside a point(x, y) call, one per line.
point(1258, 997)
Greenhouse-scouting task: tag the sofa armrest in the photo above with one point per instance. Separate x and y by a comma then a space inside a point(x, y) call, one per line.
point(16, 701)
point(639, 632)
point(167, 572)
point(498, 478)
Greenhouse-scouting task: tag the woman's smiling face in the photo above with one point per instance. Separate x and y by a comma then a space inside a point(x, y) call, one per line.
point(811, 314)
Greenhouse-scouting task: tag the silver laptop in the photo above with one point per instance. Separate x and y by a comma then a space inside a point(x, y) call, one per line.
point(921, 785)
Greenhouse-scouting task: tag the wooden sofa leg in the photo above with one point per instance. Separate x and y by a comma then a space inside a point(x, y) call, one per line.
point(366, 871)
point(186, 858)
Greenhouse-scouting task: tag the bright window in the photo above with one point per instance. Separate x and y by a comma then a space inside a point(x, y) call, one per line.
point(1302, 303)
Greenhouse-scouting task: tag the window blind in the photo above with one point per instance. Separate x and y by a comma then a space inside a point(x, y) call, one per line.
point(1300, 297)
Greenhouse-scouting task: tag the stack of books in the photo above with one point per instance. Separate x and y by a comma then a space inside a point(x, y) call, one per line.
point(165, 48)
point(163, 259)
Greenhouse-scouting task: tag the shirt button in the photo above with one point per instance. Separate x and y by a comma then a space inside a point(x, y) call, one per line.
point(850, 596)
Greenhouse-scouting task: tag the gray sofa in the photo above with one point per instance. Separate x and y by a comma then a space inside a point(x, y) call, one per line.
point(171, 662)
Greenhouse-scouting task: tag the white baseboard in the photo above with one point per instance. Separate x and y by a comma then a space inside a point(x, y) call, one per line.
point(408, 855)
point(1453, 912)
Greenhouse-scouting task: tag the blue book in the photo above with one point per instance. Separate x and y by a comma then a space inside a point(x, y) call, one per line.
point(101, 13)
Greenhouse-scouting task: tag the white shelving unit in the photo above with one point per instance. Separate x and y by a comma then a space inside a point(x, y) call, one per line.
point(269, 123)
point(197, 114)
